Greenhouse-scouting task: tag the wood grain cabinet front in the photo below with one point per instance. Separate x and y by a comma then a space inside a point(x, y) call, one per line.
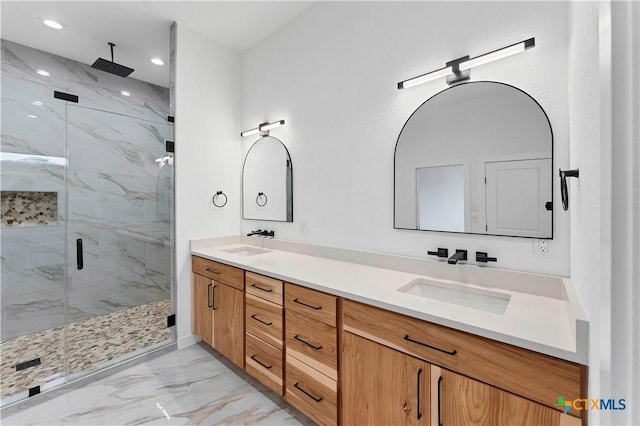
point(264, 324)
point(264, 362)
point(218, 309)
point(484, 380)
point(311, 353)
point(314, 304)
point(265, 287)
point(311, 392)
point(381, 386)
point(460, 400)
point(264, 320)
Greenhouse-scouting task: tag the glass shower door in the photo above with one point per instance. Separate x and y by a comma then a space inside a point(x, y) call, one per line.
point(32, 283)
point(120, 240)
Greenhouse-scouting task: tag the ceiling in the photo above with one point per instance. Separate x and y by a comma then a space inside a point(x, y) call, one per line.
point(140, 29)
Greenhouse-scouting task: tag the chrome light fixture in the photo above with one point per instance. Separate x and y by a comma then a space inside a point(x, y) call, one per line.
point(458, 69)
point(263, 128)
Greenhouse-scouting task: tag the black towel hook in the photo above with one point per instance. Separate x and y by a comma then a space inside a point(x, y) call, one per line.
point(564, 191)
point(263, 195)
point(215, 197)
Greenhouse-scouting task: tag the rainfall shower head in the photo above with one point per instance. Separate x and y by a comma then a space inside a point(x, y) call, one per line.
point(112, 67)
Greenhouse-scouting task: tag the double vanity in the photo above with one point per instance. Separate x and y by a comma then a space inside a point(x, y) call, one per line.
point(357, 338)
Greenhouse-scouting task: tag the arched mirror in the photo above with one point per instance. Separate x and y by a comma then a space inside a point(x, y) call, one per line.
point(476, 158)
point(267, 182)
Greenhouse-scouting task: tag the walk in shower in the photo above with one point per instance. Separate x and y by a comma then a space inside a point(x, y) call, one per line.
point(87, 221)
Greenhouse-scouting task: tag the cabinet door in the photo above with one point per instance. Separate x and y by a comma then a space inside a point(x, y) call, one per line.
point(202, 314)
point(381, 386)
point(228, 324)
point(464, 401)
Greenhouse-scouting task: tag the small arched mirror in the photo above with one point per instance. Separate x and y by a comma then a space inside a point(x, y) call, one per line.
point(476, 158)
point(267, 182)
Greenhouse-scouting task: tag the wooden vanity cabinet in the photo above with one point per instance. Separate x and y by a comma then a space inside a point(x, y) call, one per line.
point(218, 307)
point(460, 400)
point(473, 381)
point(311, 353)
point(264, 331)
point(382, 386)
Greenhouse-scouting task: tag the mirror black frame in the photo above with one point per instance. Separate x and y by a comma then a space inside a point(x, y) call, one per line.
point(474, 233)
point(289, 183)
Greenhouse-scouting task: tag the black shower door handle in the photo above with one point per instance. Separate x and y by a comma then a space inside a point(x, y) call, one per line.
point(79, 253)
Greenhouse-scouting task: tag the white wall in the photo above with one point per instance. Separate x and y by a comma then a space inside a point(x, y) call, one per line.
point(589, 151)
point(604, 88)
point(331, 74)
point(208, 158)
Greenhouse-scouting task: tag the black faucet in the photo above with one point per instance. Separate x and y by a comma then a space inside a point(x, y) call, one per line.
point(266, 233)
point(258, 232)
point(483, 257)
point(442, 252)
point(458, 256)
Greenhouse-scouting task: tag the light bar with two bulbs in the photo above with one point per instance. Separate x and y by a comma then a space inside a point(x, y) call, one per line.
point(458, 69)
point(263, 128)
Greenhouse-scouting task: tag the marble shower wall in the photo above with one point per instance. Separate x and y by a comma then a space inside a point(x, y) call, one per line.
point(119, 198)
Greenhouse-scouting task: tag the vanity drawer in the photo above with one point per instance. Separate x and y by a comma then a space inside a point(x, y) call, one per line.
point(264, 362)
point(312, 342)
point(312, 303)
point(313, 393)
point(264, 287)
point(264, 320)
point(218, 272)
point(532, 375)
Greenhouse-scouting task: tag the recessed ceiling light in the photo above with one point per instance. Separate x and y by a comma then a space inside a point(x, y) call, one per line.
point(36, 103)
point(157, 61)
point(52, 24)
point(125, 93)
point(43, 72)
point(32, 116)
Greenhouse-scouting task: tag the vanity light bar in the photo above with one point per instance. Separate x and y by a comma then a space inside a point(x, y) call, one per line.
point(454, 69)
point(263, 127)
point(250, 132)
point(498, 54)
point(269, 126)
point(433, 75)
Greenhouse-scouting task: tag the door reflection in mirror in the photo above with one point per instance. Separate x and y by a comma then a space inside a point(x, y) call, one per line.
point(476, 158)
point(267, 170)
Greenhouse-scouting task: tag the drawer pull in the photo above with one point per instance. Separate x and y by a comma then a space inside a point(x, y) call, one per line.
point(213, 271)
point(209, 304)
point(419, 411)
point(259, 320)
point(439, 382)
point(213, 301)
point(308, 306)
point(268, 290)
point(307, 393)
point(253, 357)
point(453, 352)
point(317, 348)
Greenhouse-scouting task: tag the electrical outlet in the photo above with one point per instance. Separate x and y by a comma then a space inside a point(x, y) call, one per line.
point(542, 248)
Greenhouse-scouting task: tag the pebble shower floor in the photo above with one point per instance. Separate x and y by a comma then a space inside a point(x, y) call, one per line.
point(90, 343)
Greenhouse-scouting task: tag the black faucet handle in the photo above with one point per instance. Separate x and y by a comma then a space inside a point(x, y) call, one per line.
point(442, 252)
point(483, 257)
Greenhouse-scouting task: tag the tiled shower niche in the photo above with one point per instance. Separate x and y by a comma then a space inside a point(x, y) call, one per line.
point(29, 208)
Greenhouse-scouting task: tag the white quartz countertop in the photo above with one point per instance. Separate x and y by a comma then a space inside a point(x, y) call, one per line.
point(532, 321)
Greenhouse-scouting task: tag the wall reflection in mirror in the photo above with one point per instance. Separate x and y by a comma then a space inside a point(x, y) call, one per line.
point(476, 158)
point(267, 182)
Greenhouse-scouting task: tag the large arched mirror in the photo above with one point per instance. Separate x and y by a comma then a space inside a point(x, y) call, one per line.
point(267, 182)
point(476, 158)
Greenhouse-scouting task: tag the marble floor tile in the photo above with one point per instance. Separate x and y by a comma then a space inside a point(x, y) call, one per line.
point(89, 343)
point(190, 386)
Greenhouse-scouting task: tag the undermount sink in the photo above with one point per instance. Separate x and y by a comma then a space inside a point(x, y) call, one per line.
point(247, 251)
point(459, 294)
